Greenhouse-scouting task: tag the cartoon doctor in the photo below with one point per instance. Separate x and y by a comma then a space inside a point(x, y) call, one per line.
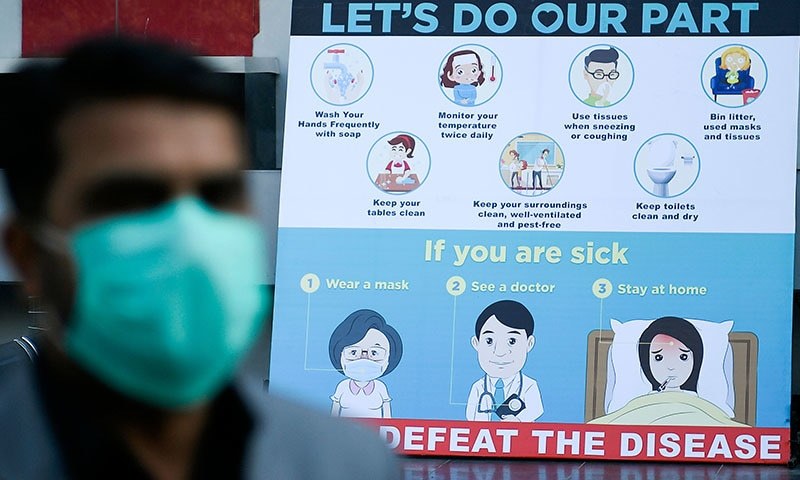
point(503, 338)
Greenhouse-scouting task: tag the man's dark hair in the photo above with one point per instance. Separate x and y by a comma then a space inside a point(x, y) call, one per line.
point(36, 99)
point(510, 313)
point(600, 55)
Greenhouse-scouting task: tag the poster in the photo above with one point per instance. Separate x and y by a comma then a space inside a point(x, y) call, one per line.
point(542, 229)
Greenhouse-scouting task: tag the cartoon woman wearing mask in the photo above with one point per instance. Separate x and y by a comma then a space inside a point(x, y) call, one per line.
point(363, 347)
point(463, 72)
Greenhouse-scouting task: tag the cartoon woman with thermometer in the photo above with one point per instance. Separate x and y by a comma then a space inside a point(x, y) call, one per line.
point(463, 72)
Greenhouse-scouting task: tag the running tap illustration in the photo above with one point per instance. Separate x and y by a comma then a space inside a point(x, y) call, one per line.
point(343, 78)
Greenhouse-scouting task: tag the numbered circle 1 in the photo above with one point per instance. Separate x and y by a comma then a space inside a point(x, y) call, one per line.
point(601, 75)
point(531, 164)
point(601, 288)
point(309, 283)
point(456, 285)
point(398, 162)
point(470, 75)
point(341, 74)
point(734, 75)
point(667, 165)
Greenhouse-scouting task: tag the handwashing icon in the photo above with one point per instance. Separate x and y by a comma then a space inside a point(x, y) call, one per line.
point(342, 79)
point(341, 74)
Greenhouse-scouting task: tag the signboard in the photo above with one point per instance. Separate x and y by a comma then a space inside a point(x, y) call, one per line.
point(542, 229)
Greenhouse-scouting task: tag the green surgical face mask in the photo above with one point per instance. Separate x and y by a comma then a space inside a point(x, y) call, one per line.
point(167, 300)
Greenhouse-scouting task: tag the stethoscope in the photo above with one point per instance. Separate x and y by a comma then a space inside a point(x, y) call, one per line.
point(511, 406)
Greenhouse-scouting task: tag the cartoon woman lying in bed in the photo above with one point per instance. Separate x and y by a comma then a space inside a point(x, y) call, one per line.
point(670, 355)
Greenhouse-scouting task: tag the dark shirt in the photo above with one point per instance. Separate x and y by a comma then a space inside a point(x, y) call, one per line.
point(91, 448)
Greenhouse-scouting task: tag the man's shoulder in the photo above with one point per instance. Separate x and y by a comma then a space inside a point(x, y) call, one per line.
point(27, 445)
point(294, 441)
point(295, 422)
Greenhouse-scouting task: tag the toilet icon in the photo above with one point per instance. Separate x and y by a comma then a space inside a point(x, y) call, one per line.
point(666, 165)
point(661, 153)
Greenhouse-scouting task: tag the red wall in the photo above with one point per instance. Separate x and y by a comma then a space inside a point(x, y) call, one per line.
point(211, 27)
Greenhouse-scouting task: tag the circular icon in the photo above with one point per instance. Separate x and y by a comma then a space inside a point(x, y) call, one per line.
point(398, 162)
point(341, 74)
point(734, 75)
point(601, 75)
point(456, 285)
point(601, 288)
point(666, 165)
point(531, 164)
point(309, 283)
point(470, 75)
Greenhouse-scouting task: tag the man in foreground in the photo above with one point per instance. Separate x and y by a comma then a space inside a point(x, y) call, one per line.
point(123, 163)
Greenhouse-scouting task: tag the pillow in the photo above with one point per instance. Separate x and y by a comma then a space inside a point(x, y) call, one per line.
point(626, 380)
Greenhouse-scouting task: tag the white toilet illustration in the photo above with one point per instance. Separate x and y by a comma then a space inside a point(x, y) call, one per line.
point(661, 164)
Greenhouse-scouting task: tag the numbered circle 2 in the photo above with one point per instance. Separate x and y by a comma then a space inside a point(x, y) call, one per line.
point(341, 74)
point(456, 285)
point(531, 164)
point(667, 165)
point(398, 162)
point(470, 75)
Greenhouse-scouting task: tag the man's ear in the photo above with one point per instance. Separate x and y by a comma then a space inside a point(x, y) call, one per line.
point(474, 342)
point(531, 341)
point(24, 254)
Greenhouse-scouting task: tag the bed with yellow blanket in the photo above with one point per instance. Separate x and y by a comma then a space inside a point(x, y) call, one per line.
point(744, 346)
point(668, 408)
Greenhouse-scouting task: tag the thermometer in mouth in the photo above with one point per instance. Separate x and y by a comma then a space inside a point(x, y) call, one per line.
point(663, 386)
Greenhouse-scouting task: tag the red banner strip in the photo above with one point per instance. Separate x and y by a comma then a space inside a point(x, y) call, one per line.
point(582, 441)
